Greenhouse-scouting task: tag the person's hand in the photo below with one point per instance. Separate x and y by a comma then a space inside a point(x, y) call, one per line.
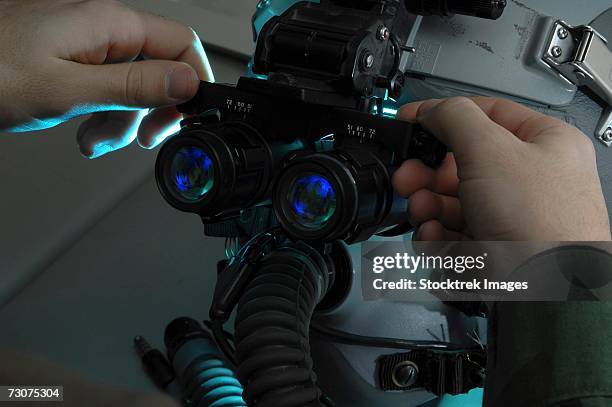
point(65, 58)
point(514, 174)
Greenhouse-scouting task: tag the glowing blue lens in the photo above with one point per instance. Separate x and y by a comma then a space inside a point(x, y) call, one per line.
point(192, 172)
point(313, 200)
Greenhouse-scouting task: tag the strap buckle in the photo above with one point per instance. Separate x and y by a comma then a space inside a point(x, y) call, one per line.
point(437, 372)
point(580, 56)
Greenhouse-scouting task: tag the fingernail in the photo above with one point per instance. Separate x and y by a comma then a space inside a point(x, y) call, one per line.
point(144, 144)
point(180, 83)
point(147, 144)
point(98, 151)
point(85, 151)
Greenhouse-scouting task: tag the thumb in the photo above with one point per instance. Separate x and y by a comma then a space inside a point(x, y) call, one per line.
point(142, 84)
point(464, 127)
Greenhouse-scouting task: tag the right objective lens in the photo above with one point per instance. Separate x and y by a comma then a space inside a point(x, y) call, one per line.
point(342, 195)
point(313, 200)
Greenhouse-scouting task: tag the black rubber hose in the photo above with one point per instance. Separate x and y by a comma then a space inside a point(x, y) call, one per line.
point(272, 325)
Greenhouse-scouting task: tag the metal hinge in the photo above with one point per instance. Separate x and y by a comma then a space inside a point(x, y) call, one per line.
point(580, 55)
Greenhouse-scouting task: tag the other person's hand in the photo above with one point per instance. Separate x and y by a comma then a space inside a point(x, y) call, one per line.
point(65, 58)
point(514, 174)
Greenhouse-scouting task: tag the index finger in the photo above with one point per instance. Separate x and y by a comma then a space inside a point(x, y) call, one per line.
point(166, 39)
point(525, 123)
point(119, 33)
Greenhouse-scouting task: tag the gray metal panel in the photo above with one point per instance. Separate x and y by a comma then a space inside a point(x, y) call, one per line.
point(583, 112)
point(497, 56)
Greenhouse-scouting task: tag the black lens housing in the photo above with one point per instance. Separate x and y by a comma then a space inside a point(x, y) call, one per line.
point(242, 161)
point(261, 133)
point(365, 200)
point(343, 184)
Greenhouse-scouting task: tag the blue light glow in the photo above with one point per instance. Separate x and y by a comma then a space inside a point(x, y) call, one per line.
point(387, 111)
point(313, 200)
point(192, 172)
point(316, 185)
point(36, 124)
point(115, 142)
point(199, 48)
point(218, 386)
point(169, 131)
point(472, 399)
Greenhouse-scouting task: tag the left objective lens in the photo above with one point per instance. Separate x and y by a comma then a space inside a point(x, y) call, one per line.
point(192, 173)
point(218, 170)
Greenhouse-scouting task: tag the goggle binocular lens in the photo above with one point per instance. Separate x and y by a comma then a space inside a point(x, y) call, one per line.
point(192, 173)
point(312, 200)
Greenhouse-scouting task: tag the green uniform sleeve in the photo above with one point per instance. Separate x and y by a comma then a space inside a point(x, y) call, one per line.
point(546, 354)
